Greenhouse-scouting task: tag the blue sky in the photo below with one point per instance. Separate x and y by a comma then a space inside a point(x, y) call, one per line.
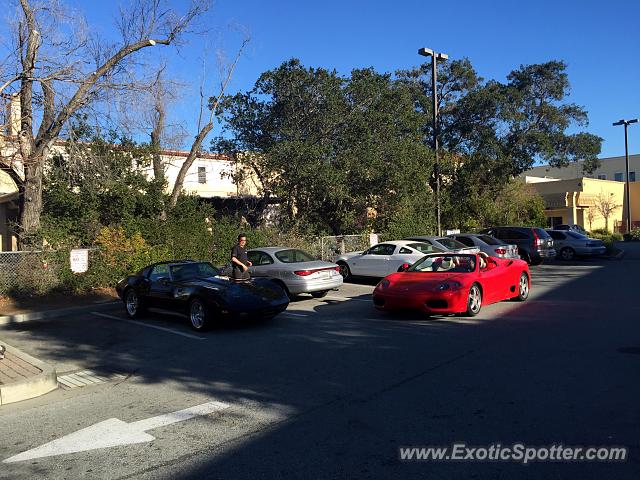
point(598, 41)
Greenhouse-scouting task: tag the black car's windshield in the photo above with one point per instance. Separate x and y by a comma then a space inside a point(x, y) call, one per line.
point(293, 256)
point(445, 263)
point(188, 271)
point(576, 235)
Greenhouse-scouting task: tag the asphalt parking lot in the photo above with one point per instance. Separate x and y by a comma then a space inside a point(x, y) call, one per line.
point(332, 388)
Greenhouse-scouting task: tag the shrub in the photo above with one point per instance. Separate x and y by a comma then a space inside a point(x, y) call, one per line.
point(634, 234)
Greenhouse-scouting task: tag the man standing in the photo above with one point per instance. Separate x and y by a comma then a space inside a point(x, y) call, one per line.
point(239, 261)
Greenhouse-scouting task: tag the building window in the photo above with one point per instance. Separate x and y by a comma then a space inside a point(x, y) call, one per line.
point(602, 176)
point(618, 177)
point(632, 176)
point(202, 175)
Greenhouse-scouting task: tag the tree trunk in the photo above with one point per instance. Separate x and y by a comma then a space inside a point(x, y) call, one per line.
point(31, 202)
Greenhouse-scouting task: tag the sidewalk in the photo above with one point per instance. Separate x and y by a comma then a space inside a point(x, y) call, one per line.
point(23, 377)
point(52, 306)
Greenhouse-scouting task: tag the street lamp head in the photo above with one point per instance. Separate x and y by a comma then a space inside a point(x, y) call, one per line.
point(625, 122)
point(427, 52)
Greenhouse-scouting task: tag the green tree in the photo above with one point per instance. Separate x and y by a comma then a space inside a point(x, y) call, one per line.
point(328, 147)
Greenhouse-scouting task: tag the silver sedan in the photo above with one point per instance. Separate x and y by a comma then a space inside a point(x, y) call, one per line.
point(570, 244)
point(295, 270)
point(488, 244)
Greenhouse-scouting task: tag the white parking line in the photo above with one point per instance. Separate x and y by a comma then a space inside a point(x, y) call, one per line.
point(156, 327)
point(294, 314)
point(344, 299)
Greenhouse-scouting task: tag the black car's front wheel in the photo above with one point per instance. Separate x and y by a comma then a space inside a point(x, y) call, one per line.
point(198, 315)
point(133, 304)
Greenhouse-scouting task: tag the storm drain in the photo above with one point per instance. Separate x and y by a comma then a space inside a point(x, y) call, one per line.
point(86, 378)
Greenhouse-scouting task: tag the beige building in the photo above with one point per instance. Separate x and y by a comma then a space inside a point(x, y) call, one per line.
point(571, 197)
point(611, 168)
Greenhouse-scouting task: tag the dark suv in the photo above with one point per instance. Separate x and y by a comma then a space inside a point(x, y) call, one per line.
point(534, 244)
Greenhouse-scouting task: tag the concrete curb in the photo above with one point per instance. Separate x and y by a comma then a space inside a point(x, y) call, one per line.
point(30, 387)
point(59, 312)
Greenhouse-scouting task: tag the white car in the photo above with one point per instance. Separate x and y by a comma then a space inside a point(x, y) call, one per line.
point(383, 258)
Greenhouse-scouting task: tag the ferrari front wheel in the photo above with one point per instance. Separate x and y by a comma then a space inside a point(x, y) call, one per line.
point(474, 301)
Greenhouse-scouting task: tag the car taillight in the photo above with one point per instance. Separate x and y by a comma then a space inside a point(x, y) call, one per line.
point(305, 273)
point(501, 251)
point(537, 241)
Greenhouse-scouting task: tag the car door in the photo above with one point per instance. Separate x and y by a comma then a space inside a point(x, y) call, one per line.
point(375, 262)
point(160, 287)
point(263, 264)
point(493, 280)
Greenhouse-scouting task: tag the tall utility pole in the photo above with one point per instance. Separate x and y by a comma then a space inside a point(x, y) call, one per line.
point(627, 198)
point(427, 52)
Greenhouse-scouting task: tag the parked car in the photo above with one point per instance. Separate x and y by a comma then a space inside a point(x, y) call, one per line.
point(445, 244)
point(493, 247)
point(571, 228)
point(383, 258)
point(445, 283)
point(294, 270)
point(197, 289)
point(570, 244)
point(534, 244)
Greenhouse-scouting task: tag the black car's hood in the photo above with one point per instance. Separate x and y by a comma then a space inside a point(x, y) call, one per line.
point(259, 288)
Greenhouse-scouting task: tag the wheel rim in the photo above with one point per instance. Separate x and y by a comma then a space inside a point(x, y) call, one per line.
point(197, 315)
point(344, 270)
point(132, 302)
point(567, 254)
point(524, 286)
point(475, 299)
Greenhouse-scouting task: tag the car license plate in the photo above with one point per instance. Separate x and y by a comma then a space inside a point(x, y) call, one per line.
point(324, 274)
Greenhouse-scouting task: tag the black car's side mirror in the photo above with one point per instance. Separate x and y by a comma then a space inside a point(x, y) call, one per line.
point(163, 280)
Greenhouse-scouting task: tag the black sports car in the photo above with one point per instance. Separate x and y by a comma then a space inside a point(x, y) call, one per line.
point(197, 289)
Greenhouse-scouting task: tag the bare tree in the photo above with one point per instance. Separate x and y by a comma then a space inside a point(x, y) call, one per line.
point(204, 130)
point(68, 73)
point(605, 205)
point(591, 216)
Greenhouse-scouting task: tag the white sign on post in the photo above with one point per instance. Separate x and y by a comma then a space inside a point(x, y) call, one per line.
point(79, 259)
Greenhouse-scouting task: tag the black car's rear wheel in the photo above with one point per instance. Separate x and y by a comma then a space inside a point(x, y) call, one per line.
point(198, 315)
point(133, 303)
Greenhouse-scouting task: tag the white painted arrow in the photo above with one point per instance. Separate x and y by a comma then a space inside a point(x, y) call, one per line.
point(113, 432)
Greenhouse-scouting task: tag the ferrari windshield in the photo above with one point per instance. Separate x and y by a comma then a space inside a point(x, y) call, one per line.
point(188, 271)
point(445, 263)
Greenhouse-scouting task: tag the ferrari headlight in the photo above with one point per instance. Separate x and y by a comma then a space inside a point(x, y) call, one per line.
point(451, 285)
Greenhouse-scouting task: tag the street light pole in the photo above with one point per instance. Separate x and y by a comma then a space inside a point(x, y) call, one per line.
point(626, 124)
point(427, 52)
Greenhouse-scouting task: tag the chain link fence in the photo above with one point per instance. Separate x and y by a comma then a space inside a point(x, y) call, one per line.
point(331, 247)
point(29, 270)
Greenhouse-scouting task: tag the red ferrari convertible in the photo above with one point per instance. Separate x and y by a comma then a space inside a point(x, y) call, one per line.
point(444, 283)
